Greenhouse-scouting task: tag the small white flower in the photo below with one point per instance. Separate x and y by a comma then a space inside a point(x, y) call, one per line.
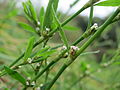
point(27, 83)
point(41, 85)
point(19, 66)
point(95, 26)
point(64, 48)
point(47, 29)
point(33, 83)
point(37, 28)
point(29, 60)
point(74, 48)
point(38, 64)
point(28, 78)
point(38, 23)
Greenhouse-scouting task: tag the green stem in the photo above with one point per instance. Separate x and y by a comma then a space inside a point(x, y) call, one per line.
point(49, 65)
point(98, 32)
point(56, 77)
point(91, 16)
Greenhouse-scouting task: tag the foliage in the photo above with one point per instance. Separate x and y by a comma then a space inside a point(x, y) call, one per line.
point(40, 57)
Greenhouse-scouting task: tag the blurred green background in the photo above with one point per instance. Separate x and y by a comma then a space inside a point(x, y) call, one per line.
point(13, 41)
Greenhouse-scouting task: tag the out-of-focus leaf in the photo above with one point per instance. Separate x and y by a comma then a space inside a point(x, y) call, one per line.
point(12, 13)
point(29, 48)
point(15, 75)
point(109, 3)
point(83, 66)
point(27, 27)
point(70, 28)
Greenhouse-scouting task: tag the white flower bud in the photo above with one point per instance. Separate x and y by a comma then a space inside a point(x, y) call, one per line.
point(41, 85)
point(64, 48)
point(29, 60)
point(74, 48)
point(27, 83)
point(38, 23)
point(47, 29)
point(33, 83)
point(19, 66)
point(95, 26)
point(37, 29)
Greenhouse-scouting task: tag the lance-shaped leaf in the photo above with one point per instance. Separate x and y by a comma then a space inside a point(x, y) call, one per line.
point(42, 51)
point(109, 3)
point(47, 53)
point(15, 75)
point(29, 49)
point(32, 10)
point(62, 34)
point(27, 27)
point(70, 28)
point(42, 13)
point(49, 15)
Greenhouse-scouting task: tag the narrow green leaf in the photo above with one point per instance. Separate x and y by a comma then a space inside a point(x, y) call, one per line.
point(27, 27)
point(74, 3)
point(29, 48)
point(32, 10)
point(42, 13)
point(49, 15)
point(15, 75)
point(46, 54)
point(62, 34)
point(12, 13)
point(42, 50)
point(93, 52)
point(109, 3)
point(70, 28)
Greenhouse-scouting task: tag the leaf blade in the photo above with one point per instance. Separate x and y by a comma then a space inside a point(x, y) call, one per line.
point(29, 48)
point(109, 3)
point(26, 27)
point(15, 75)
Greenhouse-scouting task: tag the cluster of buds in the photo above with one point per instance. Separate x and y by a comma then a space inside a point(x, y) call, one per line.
point(66, 54)
point(94, 27)
point(46, 31)
point(91, 30)
point(73, 50)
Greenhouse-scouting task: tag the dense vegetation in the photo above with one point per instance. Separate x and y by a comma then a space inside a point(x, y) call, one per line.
point(59, 54)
